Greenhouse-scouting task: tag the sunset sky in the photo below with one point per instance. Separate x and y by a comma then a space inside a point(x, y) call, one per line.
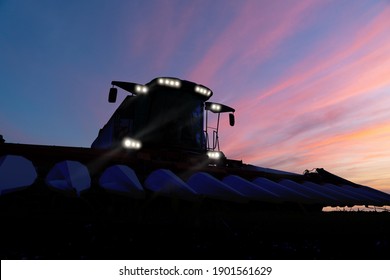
point(310, 80)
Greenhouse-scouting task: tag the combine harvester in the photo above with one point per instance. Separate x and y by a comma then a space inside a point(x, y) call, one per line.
point(159, 150)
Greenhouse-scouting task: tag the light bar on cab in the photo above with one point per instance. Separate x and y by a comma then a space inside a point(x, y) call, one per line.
point(130, 143)
point(215, 107)
point(141, 89)
point(203, 90)
point(169, 82)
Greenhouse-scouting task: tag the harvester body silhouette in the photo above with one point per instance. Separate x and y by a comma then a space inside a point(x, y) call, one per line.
point(160, 143)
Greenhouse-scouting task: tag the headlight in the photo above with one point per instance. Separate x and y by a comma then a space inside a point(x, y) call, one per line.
point(215, 107)
point(169, 82)
point(203, 90)
point(141, 89)
point(129, 143)
point(214, 155)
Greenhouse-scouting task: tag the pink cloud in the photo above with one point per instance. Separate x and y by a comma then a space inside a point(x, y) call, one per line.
point(339, 83)
point(372, 36)
point(320, 112)
point(166, 28)
point(248, 38)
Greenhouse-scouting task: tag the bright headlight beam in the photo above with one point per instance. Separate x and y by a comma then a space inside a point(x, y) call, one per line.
point(214, 155)
point(216, 107)
point(202, 90)
point(141, 89)
point(129, 143)
point(169, 82)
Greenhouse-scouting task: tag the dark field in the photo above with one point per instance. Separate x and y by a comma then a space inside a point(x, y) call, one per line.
point(117, 228)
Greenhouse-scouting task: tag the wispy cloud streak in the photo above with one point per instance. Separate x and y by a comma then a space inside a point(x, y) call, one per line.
point(330, 108)
point(252, 37)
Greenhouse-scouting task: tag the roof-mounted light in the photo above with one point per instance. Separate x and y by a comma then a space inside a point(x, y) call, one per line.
point(202, 90)
point(169, 82)
point(141, 89)
point(218, 108)
point(215, 107)
point(130, 143)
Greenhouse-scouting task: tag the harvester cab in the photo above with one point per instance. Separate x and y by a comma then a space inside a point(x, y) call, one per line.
point(166, 113)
